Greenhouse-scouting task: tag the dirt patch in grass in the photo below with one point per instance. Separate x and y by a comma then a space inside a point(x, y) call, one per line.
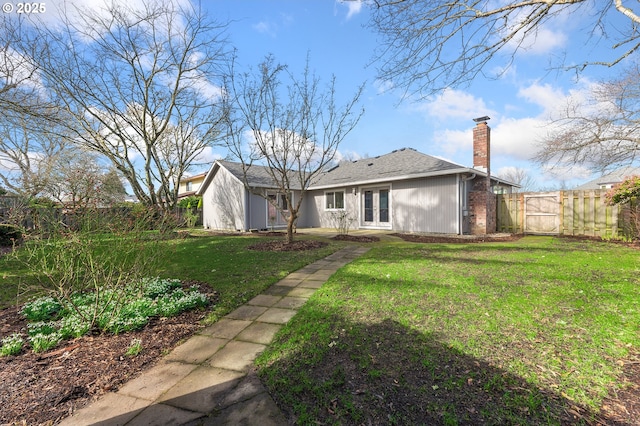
point(623, 407)
point(277, 245)
point(355, 238)
point(44, 388)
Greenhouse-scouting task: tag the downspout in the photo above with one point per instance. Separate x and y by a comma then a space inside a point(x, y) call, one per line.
point(462, 192)
point(247, 209)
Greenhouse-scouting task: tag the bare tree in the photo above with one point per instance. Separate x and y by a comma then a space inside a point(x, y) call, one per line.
point(80, 181)
point(29, 144)
point(428, 46)
point(29, 152)
point(137, 85)
point(519, 176)
point(17, 75)
point(600, 131)
point(295, 128)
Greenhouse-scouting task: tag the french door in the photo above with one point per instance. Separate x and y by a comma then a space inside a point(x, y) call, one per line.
point(376, 208)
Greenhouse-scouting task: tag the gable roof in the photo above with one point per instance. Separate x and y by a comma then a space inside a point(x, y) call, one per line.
point(400, 164)
point(615, 176)
point(405, 163)
point(257, 176)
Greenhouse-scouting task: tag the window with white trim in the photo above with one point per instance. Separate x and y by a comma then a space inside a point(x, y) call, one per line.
point(334, 200)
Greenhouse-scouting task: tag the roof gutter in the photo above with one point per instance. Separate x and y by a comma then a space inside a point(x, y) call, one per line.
point(396, 178)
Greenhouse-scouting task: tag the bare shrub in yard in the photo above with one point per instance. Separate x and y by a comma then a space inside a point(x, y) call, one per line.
point(342, 221)
point(95, 256)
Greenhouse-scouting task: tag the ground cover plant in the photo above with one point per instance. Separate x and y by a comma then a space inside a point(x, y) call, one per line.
point(536, 331)
point(51, 321)
point(43, 387)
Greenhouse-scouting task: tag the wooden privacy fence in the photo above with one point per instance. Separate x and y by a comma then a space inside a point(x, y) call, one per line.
point(563, 213)
point(31, 218)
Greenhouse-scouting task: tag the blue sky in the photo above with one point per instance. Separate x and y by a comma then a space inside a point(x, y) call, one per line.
point(333, 33)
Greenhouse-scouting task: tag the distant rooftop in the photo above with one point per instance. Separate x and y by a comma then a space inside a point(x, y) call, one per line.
point(608, 180)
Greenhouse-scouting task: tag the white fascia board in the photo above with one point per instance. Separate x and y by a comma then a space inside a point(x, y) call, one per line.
point(208, 178)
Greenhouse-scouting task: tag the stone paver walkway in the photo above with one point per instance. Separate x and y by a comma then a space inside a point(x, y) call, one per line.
point(208, 379)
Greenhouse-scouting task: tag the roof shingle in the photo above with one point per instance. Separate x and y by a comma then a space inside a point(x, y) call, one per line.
point(403, 162)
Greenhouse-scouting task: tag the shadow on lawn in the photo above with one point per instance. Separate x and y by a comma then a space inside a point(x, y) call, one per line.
point(385, 373)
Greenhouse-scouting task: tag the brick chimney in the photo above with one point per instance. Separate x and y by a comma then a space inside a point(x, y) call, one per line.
point(482, 201)
point(482, 145)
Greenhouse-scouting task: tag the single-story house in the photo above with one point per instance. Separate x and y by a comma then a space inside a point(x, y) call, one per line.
point(609, 180)
point(404, 191)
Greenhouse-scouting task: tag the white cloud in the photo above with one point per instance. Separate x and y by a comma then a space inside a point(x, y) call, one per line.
point(383, 86)
point(354, 7)
point(455, 104)
point(512, 137)
point(545, 96)
point(271, 27)
point(56, 9)
point(517, 137)
point(566, 174)
point(543, 41)
point(453, 141)
point(266, 27)
point(207, 156)
point(17, 69)
point(346, 155)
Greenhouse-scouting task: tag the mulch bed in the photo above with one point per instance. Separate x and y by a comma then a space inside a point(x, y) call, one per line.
point(460, 239)
point(277, 245)
point(633, 244)
point(355, 238)
point(47, 387)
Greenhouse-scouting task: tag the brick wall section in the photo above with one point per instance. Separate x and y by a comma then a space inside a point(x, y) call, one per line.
point(482, 201)
point(482, 206)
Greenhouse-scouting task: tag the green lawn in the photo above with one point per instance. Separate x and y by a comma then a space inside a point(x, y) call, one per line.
point(526, 332)
point(224, 262)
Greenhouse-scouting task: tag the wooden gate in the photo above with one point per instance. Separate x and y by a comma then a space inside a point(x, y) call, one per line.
point(542, 213)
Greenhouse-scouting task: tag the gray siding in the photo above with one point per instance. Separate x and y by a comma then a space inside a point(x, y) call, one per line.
point(306, 213)
point(417, 205)
point(426, 205)
point(258, 207)
point(318, 217)
point(257, 212)
point(223, 202)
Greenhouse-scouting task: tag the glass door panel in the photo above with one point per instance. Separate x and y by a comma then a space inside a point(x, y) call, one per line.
point(384, 206)
point(368, 206)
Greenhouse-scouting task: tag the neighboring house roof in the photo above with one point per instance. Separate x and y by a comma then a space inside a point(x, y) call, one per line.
point(400, 164)
point(192, 178)
point(608, 179)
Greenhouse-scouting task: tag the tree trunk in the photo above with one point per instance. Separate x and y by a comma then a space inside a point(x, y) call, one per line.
point(291, 221)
